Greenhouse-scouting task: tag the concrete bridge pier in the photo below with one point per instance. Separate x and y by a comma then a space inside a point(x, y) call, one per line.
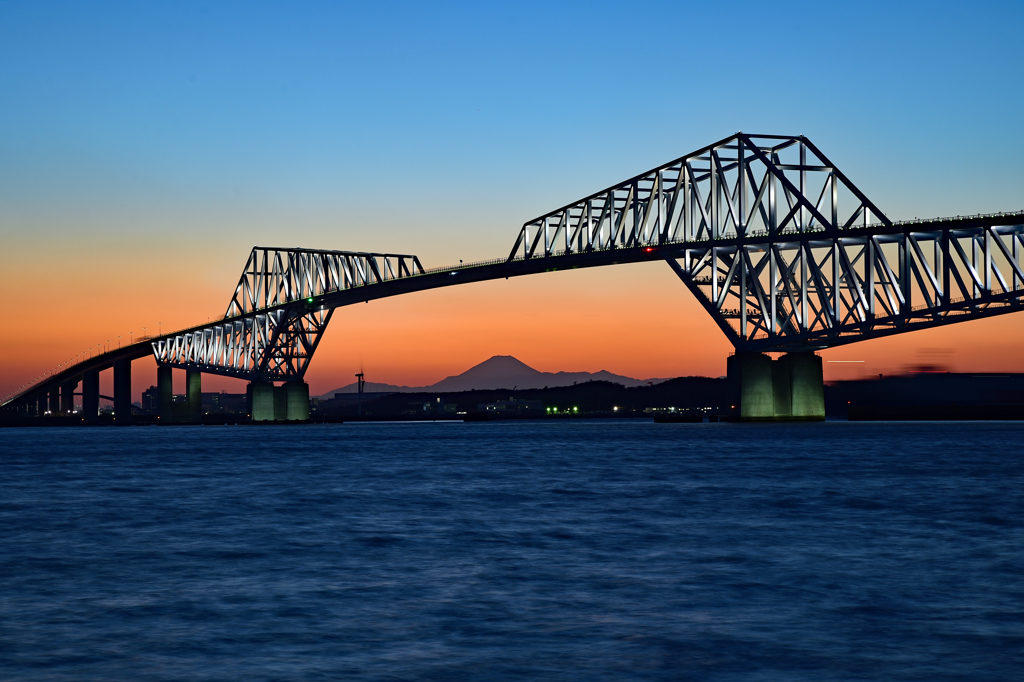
point(296, 400)
point(123, 391)
point(67, 396)
point(164, 394)
point(788, 389)
point(807, 385)
point(54, 403)
point(91, 395)
point(287, 402)
point(262, 393)
point(194, 395)
point(280, 403)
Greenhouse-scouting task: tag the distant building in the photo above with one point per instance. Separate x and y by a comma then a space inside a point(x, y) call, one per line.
point(212, 403)
point(150, 400)
point(224, 403)
point(344, 403)
point(512, 408)
point(440, 407)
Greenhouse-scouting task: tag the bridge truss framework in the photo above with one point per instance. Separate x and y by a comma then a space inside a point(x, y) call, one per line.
point(785, 252)
point(779, 246)
point(273, 324)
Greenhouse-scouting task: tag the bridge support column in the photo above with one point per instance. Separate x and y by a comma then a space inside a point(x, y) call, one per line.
point(164, 394)
point(788, 389)
point(54, 406)
point(67, 396)
point(808, 385)
point(91, 395)
point(782, 389)
point(42, 404)
point(194, 395)
point(296, 401)
point(281, 403)
point(262, 401)
point(752, 386)
point(123, 391)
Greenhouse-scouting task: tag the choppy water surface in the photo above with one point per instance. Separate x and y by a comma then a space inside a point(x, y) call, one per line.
point(531, 550)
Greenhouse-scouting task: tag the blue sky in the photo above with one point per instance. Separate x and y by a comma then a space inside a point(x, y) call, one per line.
point(191, 131)
point(429, 113)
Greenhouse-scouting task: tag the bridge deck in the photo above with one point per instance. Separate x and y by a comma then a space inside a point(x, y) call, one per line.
point(776, 243)
point(504, 268)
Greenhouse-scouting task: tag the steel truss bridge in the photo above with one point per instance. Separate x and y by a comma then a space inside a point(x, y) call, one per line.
point(783, 251)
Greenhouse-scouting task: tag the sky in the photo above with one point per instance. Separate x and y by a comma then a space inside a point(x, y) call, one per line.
point(146, 147)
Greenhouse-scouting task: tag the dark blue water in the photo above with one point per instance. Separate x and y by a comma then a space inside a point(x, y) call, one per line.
point(533, 550)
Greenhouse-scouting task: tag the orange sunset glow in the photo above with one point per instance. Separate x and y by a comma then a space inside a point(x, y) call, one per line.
point(502, 341)
point(132, 190)
point(636, 320)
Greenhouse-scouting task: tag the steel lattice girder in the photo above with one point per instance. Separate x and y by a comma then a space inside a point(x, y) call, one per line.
point(741, 187)
point(275, 276)
point(811, 293)
point(785, 252)
point(269, 331)
point(777, 244)
point(275, 345)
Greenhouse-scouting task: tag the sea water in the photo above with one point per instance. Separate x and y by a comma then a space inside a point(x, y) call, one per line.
point(547, 550)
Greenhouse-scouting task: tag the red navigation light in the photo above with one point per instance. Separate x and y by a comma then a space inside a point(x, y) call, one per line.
point(648, 249)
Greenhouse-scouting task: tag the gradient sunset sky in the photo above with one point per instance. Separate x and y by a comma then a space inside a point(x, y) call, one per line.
point(146, 147)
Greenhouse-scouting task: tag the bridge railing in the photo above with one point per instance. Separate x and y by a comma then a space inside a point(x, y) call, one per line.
point(465, 266)
point(72, 366)
point(948, 220)
point(33, 383)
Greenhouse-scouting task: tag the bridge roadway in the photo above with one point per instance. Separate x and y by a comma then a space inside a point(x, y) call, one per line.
point(54, 393)
point(773, 240)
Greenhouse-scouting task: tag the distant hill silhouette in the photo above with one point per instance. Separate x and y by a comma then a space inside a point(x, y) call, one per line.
point(500, 371)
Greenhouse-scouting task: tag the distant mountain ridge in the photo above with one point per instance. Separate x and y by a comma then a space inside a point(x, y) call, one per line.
point(500, 371)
